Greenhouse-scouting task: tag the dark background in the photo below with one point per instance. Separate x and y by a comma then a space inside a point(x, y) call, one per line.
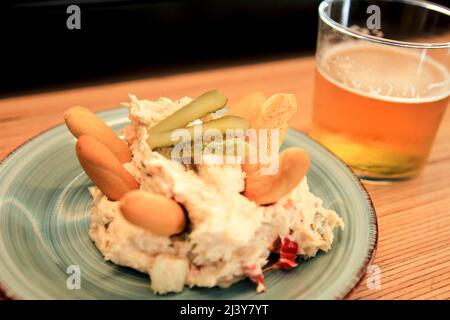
point(131, 38)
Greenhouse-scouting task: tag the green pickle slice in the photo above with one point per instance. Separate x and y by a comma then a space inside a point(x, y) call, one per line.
point(208, 102)
point(164, 139)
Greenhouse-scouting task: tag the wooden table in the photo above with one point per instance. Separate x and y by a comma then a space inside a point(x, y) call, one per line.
point(414, 217)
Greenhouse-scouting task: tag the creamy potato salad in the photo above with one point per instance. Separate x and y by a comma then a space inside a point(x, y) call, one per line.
point(227, 236)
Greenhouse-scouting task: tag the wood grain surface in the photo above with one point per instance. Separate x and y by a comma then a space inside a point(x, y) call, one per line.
point(413, 254)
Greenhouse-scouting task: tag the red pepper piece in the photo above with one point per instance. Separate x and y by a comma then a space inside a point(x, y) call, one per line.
point(288, 255)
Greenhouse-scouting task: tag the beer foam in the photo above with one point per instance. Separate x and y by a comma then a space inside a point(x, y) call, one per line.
point(385, 73)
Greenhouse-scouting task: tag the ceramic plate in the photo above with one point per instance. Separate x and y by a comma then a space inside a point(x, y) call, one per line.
point(44, 221)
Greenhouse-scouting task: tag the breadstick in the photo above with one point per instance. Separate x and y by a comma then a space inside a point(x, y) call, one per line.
point(103, 168)
point(81, 121)
point(267, 189)
point(153, 212)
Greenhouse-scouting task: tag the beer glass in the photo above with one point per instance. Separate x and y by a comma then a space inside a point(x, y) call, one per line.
point(381, 83)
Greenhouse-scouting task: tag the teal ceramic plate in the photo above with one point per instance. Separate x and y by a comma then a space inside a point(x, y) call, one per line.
point(44, 220)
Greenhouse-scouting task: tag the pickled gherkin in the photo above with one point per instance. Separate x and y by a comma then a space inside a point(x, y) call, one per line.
point(208, 102)
point(164, 139)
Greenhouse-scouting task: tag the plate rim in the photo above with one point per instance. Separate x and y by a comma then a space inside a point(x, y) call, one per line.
point(372, 212)
point(370, 255)
point(372, 215)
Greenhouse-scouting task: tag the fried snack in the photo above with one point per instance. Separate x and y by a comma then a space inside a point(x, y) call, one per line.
point(272, 113)
point(164, 139)
point(267, 189)
point(276, 113)
point(81, 121)
point(208, 102)
point(248, 107)
point(103, 168)
point(153, 212)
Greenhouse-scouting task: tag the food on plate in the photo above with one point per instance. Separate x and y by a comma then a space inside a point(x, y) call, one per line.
point(164, 139)
point(248, 107)
point(267, 113)
point(276, 113)
point(81, 121)
point(153, 212)
point(205, 223)
point(104, 169)
point(272, 113)
point(207, 103)
point(267, 189)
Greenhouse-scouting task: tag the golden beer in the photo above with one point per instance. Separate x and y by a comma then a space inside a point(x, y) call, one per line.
point(379, 107)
